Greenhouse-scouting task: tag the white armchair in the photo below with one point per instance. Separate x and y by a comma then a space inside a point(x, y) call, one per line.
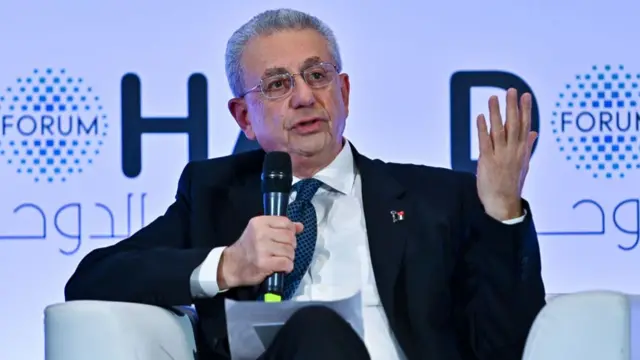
point(102, 330)
point(591, 325)
point(581, 326)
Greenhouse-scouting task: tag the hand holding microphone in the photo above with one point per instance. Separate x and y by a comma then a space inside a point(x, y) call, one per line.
point(265, 250)
point(266, 246)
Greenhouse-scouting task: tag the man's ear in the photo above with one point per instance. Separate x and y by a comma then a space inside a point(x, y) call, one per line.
point(238, 109)
point(345, 90)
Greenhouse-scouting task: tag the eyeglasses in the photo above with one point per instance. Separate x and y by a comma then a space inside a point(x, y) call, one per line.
point(281, 85)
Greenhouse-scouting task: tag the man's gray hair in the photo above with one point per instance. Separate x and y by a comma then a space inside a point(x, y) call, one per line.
point(267, 23)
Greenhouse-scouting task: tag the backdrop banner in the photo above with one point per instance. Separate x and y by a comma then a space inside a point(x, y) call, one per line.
point(79, 169)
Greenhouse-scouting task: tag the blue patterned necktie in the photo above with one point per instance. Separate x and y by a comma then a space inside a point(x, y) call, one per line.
point(301, 210)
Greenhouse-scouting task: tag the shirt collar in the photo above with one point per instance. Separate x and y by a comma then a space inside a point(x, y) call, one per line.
point(340, 174)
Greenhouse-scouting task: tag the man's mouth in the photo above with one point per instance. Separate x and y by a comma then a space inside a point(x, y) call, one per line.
point(307, 122)
point(307, 126)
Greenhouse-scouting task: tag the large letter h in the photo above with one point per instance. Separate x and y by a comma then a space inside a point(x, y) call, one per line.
point(134, 125)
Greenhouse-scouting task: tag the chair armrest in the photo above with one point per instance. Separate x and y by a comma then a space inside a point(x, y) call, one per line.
point(104, 330)
point(590, 325)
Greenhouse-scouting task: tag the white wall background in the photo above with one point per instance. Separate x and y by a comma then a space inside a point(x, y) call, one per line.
point(400, 56)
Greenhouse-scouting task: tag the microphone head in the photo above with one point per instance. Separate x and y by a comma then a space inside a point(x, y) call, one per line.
point(277, 173)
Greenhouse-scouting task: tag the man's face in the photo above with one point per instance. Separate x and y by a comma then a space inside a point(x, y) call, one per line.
point(310, 119)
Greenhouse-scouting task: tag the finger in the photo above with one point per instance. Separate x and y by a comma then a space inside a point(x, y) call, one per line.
point(497, 129)
point(299, 227)
point(280, 264)
point(513, 120)
point(280, 222)
point(532, 137)
point(284, 236)
point(282, 250)
point(484, 139)
point(525, 116)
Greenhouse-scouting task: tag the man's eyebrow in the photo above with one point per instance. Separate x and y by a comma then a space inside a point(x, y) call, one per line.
point(274, 71)
point(314, 60)
point(278, 70)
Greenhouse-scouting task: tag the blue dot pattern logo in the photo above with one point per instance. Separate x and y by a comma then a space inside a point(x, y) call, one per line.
point(52, 125)
point(596, 124)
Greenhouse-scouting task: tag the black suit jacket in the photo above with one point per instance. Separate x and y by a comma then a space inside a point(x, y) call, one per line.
point(454, 283)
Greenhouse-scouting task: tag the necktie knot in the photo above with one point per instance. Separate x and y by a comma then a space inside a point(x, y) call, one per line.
point(306, 189)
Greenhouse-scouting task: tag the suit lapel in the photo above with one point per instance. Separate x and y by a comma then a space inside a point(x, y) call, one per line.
point(243, 203)
point(246, 199)
point(247, 203)
point(382, 194)
point(239, 198)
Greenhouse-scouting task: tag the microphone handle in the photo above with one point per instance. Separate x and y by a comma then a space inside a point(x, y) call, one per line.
point(275, 204)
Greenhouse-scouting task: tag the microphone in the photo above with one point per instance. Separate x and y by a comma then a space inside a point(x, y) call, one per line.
point(276, 186)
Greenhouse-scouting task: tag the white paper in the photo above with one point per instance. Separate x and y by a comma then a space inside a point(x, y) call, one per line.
point(250, 323)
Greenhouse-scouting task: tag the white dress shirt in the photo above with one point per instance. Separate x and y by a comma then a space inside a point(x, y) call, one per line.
point(342, 237)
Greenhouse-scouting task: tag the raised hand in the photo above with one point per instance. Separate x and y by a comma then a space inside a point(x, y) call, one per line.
point(505, 150)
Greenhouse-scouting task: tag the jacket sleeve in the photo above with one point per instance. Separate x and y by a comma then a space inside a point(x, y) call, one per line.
point(498, 284)
point(153, 266)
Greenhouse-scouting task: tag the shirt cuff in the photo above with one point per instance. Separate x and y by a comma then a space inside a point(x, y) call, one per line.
point(204, 279)
point(516, 220)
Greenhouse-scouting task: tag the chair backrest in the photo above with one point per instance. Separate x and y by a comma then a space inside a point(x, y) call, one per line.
point(103, 330)
point(591, 325)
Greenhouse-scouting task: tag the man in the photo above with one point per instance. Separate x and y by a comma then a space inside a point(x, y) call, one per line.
point(454, 274)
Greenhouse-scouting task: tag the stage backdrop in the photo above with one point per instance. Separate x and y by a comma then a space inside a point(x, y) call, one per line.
point(78, 77)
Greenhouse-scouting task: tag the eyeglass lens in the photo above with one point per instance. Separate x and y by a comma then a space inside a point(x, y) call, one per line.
point(280, 85)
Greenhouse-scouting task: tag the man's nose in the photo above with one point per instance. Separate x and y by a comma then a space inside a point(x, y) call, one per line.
point(302, 94)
